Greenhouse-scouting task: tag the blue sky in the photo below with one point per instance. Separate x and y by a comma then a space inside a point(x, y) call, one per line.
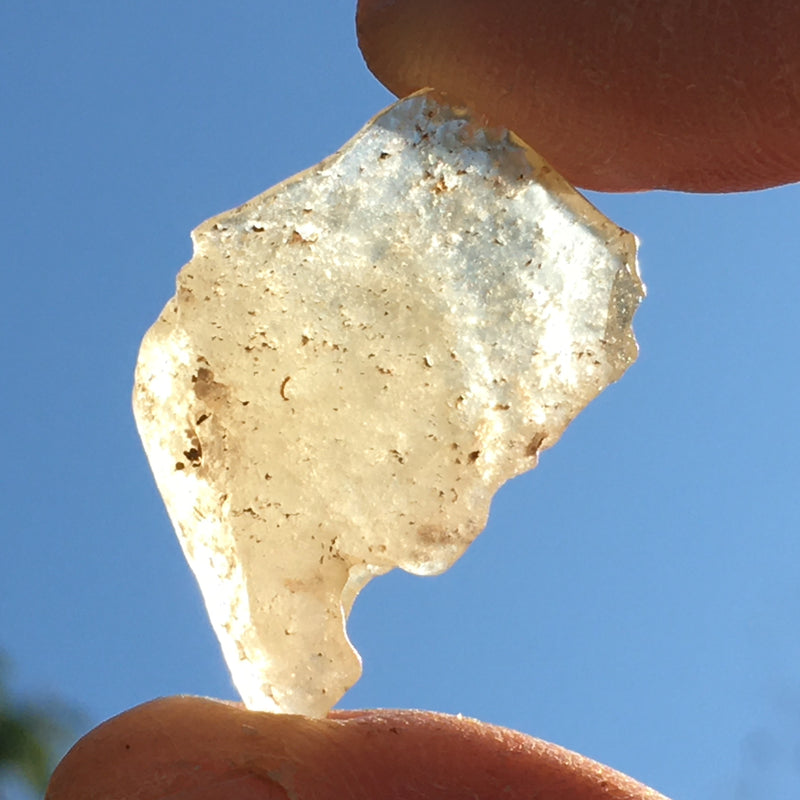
point(634, 598)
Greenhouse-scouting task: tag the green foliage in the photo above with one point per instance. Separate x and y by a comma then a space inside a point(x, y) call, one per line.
point(32, 736)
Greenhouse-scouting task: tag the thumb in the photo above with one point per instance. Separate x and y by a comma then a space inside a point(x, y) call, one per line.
point(197, 749)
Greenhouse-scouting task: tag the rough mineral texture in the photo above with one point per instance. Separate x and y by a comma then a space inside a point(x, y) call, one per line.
point(352, 365)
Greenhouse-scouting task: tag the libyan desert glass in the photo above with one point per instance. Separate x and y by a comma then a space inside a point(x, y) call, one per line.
point(352, 365)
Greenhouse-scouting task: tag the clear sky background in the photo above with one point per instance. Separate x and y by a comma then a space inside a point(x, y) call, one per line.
point(635, 598)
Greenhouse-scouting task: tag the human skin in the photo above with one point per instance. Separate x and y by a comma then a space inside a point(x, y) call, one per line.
point(189, 748)
point(619, 95)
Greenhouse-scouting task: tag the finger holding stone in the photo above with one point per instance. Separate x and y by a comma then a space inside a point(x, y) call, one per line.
point(198, 749)
point(619, 95)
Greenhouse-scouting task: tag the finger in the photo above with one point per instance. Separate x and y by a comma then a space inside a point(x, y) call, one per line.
point(186, 748)
point(619, 95)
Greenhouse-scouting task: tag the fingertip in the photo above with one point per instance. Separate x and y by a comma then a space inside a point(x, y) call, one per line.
point(175, 748)
point(618, 96)
point(197, 749)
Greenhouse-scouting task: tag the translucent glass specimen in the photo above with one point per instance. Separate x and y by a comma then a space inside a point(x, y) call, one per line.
point(352, 365)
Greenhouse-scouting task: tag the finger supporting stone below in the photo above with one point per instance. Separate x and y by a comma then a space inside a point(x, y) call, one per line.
point(184, 744)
